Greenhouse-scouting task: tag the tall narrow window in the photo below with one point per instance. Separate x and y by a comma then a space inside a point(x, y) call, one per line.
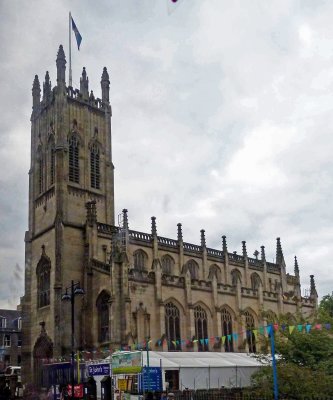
point(172, 326)
point(40, 172)
point(52, 163)
point(7, 340)
point(139, 260)
point(103, 304)
point(227, 330)
point(94, 167)
point(43, 282)
point(255, 281)
point(201, 331)
point(74, 171)
point(193, 267)
point(167, 265)
point(250, 336)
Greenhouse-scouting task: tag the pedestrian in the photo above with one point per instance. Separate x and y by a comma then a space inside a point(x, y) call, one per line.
point(64, 394)
point(6, 392)
point(50, 394)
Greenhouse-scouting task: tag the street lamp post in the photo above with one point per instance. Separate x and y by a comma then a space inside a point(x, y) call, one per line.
point(75, 290)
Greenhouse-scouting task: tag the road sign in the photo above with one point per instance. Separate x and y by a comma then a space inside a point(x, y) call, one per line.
point(151, 379)
point(99, 369)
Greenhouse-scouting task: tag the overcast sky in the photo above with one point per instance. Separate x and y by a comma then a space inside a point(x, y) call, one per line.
point(222, 119)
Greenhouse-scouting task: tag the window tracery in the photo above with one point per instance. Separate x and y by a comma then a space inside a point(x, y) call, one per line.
point(201, 331)
point(250, 336)
point(172, 326)
point(139, 260)
point(103, 304)
point(193, 267)
point(227, 330)
point(43, 281)
point(74, 170)
point(167, 265)
point(94, 166)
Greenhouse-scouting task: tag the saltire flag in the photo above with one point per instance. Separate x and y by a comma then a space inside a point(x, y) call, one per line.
point(78, 36)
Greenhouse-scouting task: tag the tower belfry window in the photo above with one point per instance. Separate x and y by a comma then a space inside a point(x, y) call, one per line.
point(74, 171)
point(94, 167)
point(43, 282)
point(40, 172)
point(52, 163)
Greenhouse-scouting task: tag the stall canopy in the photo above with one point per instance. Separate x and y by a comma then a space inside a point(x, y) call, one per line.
point(206, 370)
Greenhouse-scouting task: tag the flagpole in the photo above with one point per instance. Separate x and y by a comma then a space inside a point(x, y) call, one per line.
point(70, 49)
point(275, 378)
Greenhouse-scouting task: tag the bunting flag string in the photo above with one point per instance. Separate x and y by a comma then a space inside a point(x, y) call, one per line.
point(305, 328)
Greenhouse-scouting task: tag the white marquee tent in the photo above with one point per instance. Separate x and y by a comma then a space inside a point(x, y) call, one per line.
point(206, 370)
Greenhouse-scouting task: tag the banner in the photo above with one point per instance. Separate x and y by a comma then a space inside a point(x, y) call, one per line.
point(126, 362)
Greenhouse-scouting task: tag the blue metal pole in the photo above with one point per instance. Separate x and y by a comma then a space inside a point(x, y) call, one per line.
point(275, 379)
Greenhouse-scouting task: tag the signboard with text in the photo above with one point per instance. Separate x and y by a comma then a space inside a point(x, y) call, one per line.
point(151, 380)
point(99, 369)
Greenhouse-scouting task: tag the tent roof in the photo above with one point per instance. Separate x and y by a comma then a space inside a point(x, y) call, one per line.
point(175, 360)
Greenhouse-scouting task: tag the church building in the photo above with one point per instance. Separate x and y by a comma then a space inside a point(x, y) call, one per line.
point(127, 288)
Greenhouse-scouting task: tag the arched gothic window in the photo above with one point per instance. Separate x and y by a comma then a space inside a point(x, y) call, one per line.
point(139, 260)
point(201, 331)
point(52, 162)
point(43, 281)
point(250, 336)
point(193, 267)
point(214, 270)
point(172, 326)
point(167, 265)
point(74, 171)
point(236, 277)
point(94, 167)
point(270, 317)
point(255, 281)
point(227, 330)
point(103, 304)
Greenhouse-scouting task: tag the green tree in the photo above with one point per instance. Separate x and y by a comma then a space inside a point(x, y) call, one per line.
point(304, 366)
point(326, 309)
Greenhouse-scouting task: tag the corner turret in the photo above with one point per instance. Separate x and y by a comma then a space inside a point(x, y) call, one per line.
point(296, 269)
point(279, 252)
point(47, 88)
point(313, 290)
point(35, 94)
point(61, 67)
point(84, 84)
point(105, 84)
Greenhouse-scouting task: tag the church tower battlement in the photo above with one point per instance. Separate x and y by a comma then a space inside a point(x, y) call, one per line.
point(71, 165)
point(71, 160)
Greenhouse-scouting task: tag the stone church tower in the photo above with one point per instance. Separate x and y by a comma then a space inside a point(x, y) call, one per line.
point(139, 287)
point(71, 165)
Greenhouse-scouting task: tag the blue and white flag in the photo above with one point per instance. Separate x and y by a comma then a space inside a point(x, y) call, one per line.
point(77, 34)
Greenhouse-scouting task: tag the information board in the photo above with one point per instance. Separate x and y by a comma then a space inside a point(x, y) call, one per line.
point(150, 380)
